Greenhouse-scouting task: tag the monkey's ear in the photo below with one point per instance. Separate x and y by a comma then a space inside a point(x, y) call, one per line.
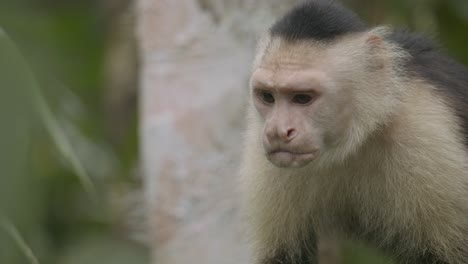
point(377, 48)
point(375, 38)
point(375, 41)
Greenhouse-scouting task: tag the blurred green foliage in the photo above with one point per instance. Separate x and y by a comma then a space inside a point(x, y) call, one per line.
point(60, 174)
point(43, 197)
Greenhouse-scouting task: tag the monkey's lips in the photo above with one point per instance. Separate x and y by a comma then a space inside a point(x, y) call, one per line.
point(285, 158)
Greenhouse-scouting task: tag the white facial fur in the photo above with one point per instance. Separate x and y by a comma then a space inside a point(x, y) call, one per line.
point(336, 80)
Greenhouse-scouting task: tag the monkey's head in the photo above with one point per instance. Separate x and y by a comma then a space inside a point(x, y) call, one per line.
point(320, 94)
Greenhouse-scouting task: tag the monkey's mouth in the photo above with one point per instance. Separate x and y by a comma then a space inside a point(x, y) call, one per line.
point(284, 158)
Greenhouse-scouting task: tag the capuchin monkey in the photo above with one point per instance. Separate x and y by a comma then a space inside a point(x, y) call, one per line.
point(358, 133)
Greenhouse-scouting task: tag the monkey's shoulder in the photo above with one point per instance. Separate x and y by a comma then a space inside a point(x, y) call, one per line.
point(430, 62)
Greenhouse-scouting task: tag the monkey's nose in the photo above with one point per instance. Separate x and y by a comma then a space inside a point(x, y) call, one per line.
point(288, 134)
point(281, 134)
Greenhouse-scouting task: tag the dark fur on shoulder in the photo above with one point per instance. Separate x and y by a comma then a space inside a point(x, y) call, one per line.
point(429, 63)
point(319, 20)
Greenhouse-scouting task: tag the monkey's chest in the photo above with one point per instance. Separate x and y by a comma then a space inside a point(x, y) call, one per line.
point(348, 203)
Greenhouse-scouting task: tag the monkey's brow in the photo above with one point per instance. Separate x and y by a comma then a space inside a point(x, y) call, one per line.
point(287, 82)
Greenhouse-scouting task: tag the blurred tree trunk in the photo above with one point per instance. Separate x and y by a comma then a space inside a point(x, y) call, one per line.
point(195, 60)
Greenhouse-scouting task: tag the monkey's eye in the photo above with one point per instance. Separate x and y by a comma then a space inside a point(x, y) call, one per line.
point(302, 99)
point(267, 97)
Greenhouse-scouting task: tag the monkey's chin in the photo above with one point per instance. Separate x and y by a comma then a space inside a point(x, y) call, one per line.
point(286, 159)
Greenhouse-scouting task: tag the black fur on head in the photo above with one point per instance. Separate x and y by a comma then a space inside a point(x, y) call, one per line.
point(317, 20)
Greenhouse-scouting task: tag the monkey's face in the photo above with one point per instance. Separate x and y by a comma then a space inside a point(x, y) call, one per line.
point(320, 99)
point(302, 111)
point(290, 97)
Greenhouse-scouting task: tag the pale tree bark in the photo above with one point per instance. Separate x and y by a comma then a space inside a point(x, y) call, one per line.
point(195, 60)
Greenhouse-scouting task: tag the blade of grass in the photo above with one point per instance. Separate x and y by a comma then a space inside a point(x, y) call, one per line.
point(15, 235)
point(62, 142)
point(58, 135)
